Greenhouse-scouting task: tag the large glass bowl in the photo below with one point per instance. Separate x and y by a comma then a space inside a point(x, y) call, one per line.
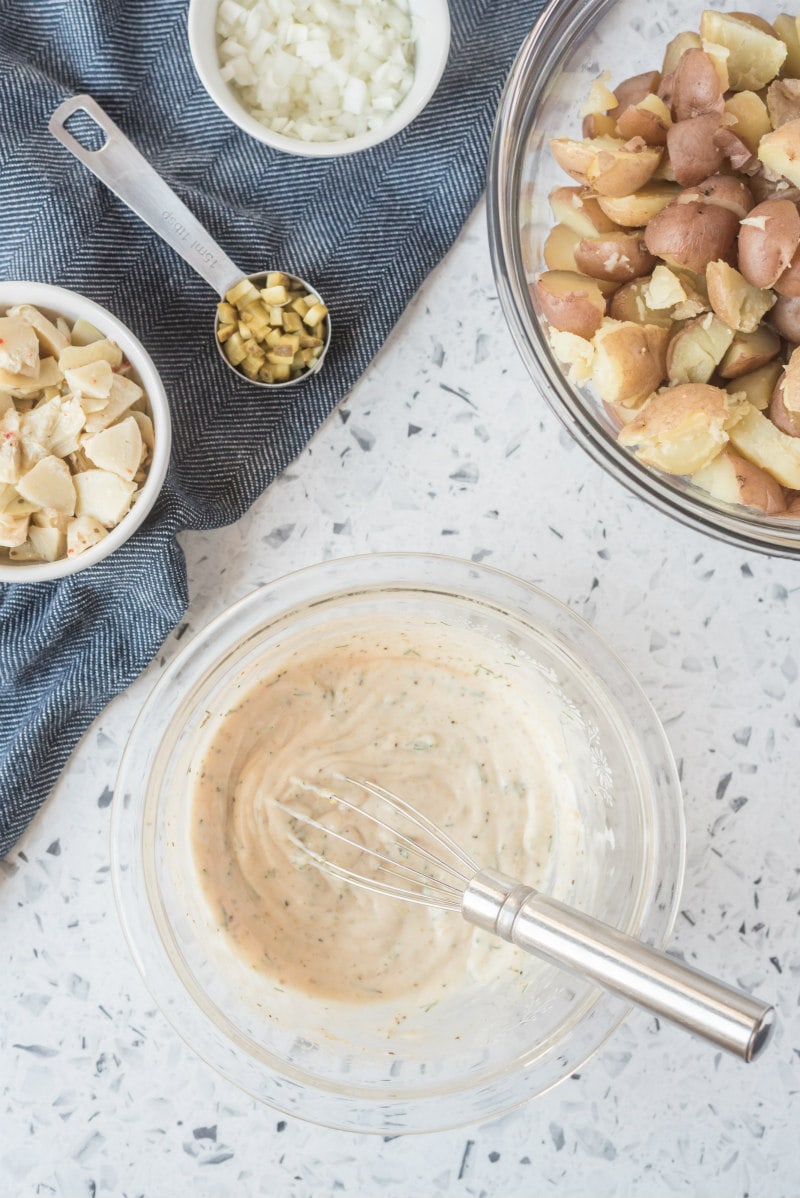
point(569, 46)
point(362, 1067)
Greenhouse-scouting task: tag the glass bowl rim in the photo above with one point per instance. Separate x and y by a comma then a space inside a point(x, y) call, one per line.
point(322, 1103)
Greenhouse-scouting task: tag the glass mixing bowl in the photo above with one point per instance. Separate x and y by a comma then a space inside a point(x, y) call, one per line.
point(494, 1044)
point(570, 45)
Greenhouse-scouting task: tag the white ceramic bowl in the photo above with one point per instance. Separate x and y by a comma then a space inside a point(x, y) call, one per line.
point(58, 301)
point(431, 22)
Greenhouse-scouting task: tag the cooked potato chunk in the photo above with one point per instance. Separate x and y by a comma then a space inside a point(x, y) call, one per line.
point(741, 305)
point(610, 165)
point(748, 351)
point(571, 302)
point(788, 422)
point(636, 210)
point(696, 87)
point(697, 349)
point(691, 235)
point(693, 148)
point(756, 438)
point(755, 56)
point(629, 361)
point(757, 385)
point(614, 257)
point(750, 118)
point(735, 480)
point(768, 239)
point(103, 495)
point(780, 151)
point(681, 429)
point(580, 211)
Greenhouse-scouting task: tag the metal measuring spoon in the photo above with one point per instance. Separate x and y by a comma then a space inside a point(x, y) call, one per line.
point(122, 168)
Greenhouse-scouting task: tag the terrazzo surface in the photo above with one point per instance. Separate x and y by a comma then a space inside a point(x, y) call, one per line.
point(445, 446)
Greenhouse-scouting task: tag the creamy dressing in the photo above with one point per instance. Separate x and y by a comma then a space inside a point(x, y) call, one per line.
point(448, 719)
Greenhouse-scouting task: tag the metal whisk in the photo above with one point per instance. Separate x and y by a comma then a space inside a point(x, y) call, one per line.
point(550, 929)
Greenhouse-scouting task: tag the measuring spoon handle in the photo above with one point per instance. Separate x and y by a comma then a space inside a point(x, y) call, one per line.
point(131, 177)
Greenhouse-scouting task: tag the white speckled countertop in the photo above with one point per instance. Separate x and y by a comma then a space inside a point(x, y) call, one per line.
point(445, 446)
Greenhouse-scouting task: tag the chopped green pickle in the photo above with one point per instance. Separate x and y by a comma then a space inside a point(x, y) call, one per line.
point(273, 335)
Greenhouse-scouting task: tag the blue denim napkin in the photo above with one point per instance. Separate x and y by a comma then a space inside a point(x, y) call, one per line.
point(366, 229)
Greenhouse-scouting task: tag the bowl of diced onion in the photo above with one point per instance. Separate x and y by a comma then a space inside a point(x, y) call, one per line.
point(320, 78)
point(85, 432)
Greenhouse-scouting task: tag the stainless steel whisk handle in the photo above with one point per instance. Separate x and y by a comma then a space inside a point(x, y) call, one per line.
point(661, 984)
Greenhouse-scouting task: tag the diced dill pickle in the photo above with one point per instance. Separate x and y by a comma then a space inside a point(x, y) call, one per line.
point(256, 317)
point(275, 295)
point(251, 367)
point(235, 351)
point(315, 315)
point(292, 322)
point(243, 293)
point(272, 335)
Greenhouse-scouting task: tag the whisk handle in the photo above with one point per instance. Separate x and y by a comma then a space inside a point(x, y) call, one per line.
point(661, 984)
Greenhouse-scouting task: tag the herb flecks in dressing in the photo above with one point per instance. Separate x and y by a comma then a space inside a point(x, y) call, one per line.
point(445, 718)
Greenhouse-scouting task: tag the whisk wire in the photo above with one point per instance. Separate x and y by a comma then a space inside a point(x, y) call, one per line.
point(447, 891)
point(449, 899)
point(415, 817)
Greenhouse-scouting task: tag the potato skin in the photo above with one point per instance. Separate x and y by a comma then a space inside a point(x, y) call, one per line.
point(733, 479)
point(692, 235)
point(789, 282)
point(616, 257)
point(669, 421)
point(692, 150)
point(628, 304)
point(598, 124)
point(570, 303)
point(696, 87)
point(630, 361)
point(785, 318)
point(724, 190)
point(641, 122)
point(768, 239)
point(749, 351)
point(619, 172)
point(632, 91)
point(788, 422)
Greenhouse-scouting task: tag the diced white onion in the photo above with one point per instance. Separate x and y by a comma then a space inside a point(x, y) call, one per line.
point(317, 70)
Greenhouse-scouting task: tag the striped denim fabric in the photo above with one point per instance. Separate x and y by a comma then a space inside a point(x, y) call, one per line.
point(366, 229)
